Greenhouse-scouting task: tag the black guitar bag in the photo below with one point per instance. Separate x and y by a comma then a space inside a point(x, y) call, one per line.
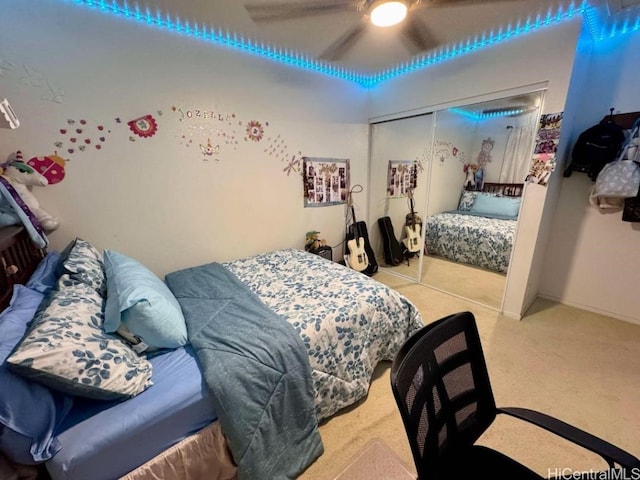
point(392, 250)
point(362, 228)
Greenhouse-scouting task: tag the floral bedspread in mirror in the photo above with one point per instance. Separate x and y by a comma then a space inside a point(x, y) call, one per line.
point(475, 240)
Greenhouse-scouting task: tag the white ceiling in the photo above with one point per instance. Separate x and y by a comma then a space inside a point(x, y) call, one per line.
point(378, 48)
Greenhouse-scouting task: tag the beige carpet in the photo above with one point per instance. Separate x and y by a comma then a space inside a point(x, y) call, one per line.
point(477, 284)
point(377, 461)
point(581, 367)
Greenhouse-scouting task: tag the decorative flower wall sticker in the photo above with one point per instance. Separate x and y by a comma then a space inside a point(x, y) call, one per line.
point(255, 131)
point(445, 150)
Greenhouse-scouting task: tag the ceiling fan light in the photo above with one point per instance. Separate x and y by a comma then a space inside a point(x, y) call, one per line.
point(386, 14)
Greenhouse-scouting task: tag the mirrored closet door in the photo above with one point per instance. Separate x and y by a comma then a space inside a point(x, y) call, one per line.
point(465, 184)
point(400, 152)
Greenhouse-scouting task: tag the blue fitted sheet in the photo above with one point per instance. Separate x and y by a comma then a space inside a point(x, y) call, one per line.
point(105, 440)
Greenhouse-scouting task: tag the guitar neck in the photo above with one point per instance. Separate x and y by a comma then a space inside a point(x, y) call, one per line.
point(356, 229)
point(411, 205)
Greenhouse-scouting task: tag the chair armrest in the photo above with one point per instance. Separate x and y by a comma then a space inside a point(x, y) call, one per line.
point(612, 454)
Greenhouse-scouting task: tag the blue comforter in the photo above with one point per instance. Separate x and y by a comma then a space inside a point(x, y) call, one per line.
point(257, 365)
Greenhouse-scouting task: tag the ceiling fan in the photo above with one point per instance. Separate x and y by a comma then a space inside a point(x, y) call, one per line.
point(382, 13)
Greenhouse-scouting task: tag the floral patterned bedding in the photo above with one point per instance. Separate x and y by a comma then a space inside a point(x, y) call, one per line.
point(476, 240)
point(348, 322)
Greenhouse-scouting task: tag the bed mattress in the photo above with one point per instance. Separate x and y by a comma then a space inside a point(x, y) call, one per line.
point(105, 440)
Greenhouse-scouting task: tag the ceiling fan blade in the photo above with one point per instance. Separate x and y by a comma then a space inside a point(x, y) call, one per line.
point(417, 36)
point(338, 48)
point(270, 12)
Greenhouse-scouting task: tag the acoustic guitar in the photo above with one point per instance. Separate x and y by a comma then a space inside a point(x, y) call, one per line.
point(357, 258)
point(413, 239)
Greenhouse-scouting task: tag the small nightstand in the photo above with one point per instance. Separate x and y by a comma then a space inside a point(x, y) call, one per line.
point(325, 252)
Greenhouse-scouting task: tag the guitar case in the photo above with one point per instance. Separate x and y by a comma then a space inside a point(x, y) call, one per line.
point(393, 254)
point(362, 228)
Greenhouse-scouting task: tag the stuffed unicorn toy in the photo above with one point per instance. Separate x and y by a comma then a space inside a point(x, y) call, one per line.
point(22, 176)
point(470, 179)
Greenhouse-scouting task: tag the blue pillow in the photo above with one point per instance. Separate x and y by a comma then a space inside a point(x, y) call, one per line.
point(499, 206)
point(29, 412)
point(45, 276)
point(139, 300)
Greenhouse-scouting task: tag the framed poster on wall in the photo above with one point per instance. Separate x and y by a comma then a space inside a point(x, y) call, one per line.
point(401, 178)
point(326, 181)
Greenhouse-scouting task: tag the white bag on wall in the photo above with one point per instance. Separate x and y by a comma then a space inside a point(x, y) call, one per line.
point(619, 179)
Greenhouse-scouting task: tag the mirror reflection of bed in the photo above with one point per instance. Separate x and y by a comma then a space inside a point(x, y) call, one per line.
point(472, 163)
point(468, 250)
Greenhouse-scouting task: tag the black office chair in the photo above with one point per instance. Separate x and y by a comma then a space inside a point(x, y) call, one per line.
point(440, 382)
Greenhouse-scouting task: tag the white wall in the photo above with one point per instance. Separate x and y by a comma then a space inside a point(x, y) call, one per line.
point(155, 198)
point(592, 258)
point(545, 56)
point(447, 174)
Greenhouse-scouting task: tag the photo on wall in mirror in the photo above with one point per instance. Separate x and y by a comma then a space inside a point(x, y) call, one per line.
point(326, 181)
point(543, 163)
point(401, 178)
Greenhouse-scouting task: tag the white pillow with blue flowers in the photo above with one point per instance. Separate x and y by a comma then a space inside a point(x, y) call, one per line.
point(67, 350)
point(84, 262)
point(466, 200)
point(469, 197)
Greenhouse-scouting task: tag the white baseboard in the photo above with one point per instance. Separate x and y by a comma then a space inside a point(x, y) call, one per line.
point(592, 309)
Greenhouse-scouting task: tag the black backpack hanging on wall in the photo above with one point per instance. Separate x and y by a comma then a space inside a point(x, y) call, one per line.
point(595, 147)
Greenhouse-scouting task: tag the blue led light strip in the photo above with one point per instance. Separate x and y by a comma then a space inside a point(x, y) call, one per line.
point(484, 116)
point(479, 42)
point(120, 8)
point(219, 37)
point(629, 23)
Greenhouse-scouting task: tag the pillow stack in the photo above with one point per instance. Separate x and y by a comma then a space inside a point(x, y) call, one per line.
point(66, 347)
point(489, 204)
point(78, 329)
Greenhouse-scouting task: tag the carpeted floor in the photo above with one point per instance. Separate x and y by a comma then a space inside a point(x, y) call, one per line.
point(482, 286)
point(377, 460)
point(581, 367)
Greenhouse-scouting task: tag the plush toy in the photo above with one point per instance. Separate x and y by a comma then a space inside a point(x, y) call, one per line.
point(470, 171)
point(313, 241)
point(22, 176)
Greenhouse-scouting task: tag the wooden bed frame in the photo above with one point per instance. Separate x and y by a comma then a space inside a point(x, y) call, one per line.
point(506, 189)
point(19, 257)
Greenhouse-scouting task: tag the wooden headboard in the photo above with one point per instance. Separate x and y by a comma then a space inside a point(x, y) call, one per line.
point(506, 189)
point(19, 257)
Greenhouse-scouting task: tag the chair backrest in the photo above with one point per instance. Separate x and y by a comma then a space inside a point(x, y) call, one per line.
point(440, 382)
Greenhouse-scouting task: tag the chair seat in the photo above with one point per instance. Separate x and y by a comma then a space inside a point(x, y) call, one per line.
point(484, 462)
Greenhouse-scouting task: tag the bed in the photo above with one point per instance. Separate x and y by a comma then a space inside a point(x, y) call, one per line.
point(481, 231)
point(18, 259)
point(277, 343)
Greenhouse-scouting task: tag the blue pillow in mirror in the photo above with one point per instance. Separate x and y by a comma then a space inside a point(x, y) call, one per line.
point(498, 206)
